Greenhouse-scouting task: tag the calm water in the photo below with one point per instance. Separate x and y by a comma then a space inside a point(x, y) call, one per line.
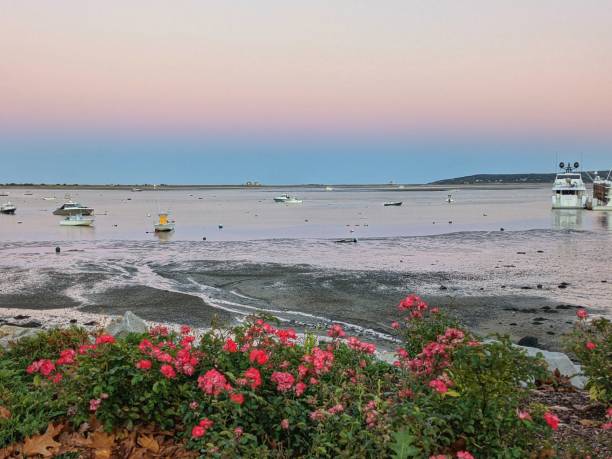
point(471, 255)
point(252, 214)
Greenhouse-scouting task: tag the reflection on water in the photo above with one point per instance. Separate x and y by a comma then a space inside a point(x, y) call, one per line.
point(164, 235)
point(567, 219)
point(605, 221)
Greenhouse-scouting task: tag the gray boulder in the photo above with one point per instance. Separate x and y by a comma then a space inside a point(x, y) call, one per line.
point(559, 361)
point(10, 333)
point(129, 323)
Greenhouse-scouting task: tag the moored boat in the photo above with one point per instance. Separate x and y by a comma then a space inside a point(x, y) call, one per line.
point(282, 198)
point(76, 220)
point(73, 208)
point(602, 194)
point(569, 190)
point(394, 203)
point(163, 225)
point(287, 199)
point(8, 208)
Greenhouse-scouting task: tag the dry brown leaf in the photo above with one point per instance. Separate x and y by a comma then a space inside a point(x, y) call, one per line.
point(7, 452)
point(44, 444)
point(4, 413)
point(139, 453)
point(589, 422)
point(102, 444)
point(148, 442)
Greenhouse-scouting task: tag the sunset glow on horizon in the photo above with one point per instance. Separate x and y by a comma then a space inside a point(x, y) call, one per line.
point(480, 66)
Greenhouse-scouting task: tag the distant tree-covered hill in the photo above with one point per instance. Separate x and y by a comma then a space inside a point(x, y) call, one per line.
point(509, 178)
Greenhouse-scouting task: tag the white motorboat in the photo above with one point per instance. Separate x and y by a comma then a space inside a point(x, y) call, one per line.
point(282, 198)
point(164, 225)
point(287, 199)
point(602, 193)
point(73, 208)
point(329, 188)
point(394, 203)
point(8, 208)
point(569, 191)
point(76, 220)
point(48, 198)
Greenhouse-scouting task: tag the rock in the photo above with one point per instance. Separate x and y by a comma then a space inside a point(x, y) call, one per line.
point(73, 321)
point(21, 317)
point(129, 323)
point(526, 287)
point(90, 323)
point(540, 251)
point(10, 333)
point(559, 361)
point(562, 286)
point(520, 253)
point(30, 324)
point(539, 286)
point(531, 341)
point(442, 287)
point(57, 250)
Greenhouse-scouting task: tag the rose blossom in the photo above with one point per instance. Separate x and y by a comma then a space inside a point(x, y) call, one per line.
point(582, 314)
point(551, 420)
point(168, 371)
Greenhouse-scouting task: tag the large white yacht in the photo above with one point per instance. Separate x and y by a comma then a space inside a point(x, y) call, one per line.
point(569, 191)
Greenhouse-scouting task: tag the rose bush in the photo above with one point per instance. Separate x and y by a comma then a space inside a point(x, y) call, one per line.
point(257, 390)
point(591, 343)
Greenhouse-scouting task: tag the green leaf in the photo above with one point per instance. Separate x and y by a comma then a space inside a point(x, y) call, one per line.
point(451, 393)
point(402, 445)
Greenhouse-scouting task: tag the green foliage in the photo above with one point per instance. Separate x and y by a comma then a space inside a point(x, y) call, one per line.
point(596, 361)
point(355, 406)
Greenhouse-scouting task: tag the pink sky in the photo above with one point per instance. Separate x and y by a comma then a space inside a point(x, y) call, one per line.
point(437, 66)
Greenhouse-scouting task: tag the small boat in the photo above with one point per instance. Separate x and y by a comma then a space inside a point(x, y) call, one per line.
point(282, 198)
point(569, 191)
point(287, 199)
point(73, 208)
point(449, 198)
point(329, 188)
point(395, 203)
point(164, 225)
point(76, 220)
point(29, 193)
point(8, 208)
point(136, 189)
point(48, 198)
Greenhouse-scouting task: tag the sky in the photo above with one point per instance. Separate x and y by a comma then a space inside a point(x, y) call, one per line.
point(318, 91)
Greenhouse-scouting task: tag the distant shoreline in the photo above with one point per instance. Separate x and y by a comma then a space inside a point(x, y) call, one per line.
point(352, 187)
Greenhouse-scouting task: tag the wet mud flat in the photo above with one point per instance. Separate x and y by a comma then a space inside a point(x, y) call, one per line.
point(303, 296)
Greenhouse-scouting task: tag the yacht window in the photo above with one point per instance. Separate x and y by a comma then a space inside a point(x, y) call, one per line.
point(568, 192)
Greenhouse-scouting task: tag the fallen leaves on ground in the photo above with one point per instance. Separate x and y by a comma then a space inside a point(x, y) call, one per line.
point(4, 413)
point(43, 445)
point(90, 441)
